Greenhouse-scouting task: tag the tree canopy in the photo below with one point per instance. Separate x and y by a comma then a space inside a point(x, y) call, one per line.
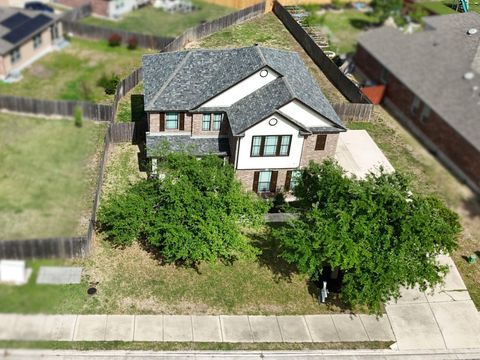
point(385, 8)
point(375, 231)
point(194, 211)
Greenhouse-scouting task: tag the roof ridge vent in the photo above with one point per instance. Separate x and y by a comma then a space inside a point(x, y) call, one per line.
point(472, 31)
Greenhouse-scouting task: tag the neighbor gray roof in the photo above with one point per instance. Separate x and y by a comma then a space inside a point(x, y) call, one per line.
point(186, 80)
point(15, 19)
point(198, 145)
point(433, 62)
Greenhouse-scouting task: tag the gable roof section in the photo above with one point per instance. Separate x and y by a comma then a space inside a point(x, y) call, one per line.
point(432, 63)
point(18, 25)
point(203, 74)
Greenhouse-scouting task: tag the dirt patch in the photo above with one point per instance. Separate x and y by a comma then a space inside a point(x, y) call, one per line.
point(40, 71)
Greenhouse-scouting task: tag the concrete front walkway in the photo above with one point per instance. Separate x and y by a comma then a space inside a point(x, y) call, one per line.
point(186, 328)
point(444, 318)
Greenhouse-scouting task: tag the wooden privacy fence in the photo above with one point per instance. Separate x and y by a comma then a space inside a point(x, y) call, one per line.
point(328, 67)
point(354, 112)
point(77, 13)
point(208, 28)
point(125, 85)
point(91, 111)
point(146, 41)
point(133, 132)
point(43, 248)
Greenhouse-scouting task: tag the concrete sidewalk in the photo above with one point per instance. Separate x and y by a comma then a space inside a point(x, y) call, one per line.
point(445, 318)
point(186, 328)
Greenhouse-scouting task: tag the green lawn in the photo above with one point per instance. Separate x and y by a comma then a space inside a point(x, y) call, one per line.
point(133, 281)
point(47, 169)
point(430, 177)
point(158, 22)
point(72, 74)
point(342, 27)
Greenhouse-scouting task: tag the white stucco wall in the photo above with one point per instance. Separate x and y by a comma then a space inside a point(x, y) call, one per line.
point(283, 127)
point(304, 115)
point(242, 89)
point(128, 5)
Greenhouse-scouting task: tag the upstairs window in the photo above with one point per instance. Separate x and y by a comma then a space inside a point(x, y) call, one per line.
point(272, 145)
point(217, 120)
point(37, 41)
point(206, 122)
point(15, 55)
point(171, 121)
point(321, 141)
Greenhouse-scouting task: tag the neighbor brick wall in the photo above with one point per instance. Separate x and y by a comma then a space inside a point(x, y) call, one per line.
point(100, 7)
point(310, 154)
point(446, 138)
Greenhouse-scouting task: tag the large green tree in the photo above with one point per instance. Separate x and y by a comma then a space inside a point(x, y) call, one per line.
point(379, 234)
point(385, 8)
point(194, 211)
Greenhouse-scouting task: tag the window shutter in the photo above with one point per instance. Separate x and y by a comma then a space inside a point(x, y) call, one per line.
point(182, 121)
point(288, 179)
point(321, 140)
point(256, 175)
point(273, 181)
point(162, 121)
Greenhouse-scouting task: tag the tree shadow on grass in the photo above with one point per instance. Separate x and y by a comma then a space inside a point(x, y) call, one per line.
point(362, 24)
point(271, 251)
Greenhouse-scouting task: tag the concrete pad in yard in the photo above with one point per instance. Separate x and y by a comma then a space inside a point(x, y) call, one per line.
point(236, 329)
point(30, 327)
point(294, 329)
point(415, 327)
point(265, 329)
point(377, 328)
point(90, 328)
point(60, 327)
point(7, 322)
point(459, 323)
point(148, 328)
point(177, 328)
point(349, 327)
point(206, 329)
point(120, 328)
point(322, 328)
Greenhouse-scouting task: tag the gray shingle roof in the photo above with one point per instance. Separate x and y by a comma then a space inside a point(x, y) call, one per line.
point(21, 15)
point(198, 145)
point(185, 80)
point(432, 64)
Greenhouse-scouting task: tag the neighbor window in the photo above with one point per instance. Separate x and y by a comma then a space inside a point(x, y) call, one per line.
point(171, 121)
point(425, 113)
point(206, 122)
point(264, 180)
point(415, 105)
point(54, 32)
point(15, 55)
point(273, 145)
point(119, 4)
point(37, 41)
point(217, 120)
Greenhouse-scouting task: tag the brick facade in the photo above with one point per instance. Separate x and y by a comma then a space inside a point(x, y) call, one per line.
point(440, 133)
point(310, 154)
point(197, 127)
point(246, 178)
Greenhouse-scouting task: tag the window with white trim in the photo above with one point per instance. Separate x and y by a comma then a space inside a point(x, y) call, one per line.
point(271, 145)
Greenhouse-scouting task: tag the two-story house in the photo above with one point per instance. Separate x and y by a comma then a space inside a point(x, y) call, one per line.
point(257, 107)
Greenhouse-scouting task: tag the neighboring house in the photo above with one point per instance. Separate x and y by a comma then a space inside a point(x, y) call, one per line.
point(182, 6)
point(257, 107)
point(25, 36)
point(432, 81)
point(112, 9)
